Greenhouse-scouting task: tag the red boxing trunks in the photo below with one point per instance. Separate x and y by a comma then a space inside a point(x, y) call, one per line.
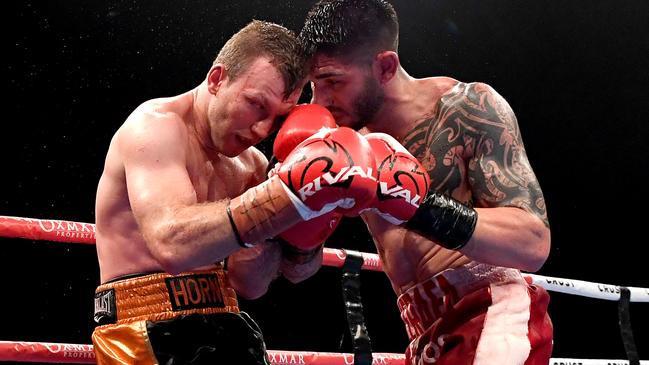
point(190, 318)
point(477, 314)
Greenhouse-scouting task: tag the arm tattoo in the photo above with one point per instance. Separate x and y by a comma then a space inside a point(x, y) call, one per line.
point(472, 148)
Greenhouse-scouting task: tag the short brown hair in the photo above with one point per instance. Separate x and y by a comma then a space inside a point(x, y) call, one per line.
point(261, 38)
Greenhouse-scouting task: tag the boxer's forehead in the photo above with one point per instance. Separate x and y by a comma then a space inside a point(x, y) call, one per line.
point(325, 66)
point(264, 76)
point(265, 80)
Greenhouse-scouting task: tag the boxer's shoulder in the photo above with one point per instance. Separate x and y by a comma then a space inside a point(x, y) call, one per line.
point(469, 94)
point(252, 159)
point(242, 171)
point(153, 124)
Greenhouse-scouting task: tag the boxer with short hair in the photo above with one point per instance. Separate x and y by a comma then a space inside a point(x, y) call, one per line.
point(453, 243)
point(183, 189)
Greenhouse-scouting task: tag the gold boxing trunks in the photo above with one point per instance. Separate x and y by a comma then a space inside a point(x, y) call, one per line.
point(189, 318)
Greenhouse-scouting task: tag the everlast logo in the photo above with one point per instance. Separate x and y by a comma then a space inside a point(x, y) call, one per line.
point(105, 310)
point(195, 291)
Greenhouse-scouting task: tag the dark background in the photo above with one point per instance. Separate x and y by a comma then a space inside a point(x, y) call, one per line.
point(575, 73)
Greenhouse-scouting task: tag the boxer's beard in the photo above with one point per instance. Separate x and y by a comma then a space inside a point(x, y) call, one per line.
point(367, 103)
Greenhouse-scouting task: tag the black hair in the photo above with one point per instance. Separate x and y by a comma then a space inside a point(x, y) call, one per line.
point(350, 27)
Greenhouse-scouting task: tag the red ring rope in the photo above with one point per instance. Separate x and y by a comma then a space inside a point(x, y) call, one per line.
point(83, 354)
point(78, 232)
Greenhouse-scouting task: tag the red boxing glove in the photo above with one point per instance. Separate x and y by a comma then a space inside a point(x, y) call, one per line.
point(402, 180)
point(302, 242)
point(310, 234)
point(332, 169)
point(302, 122)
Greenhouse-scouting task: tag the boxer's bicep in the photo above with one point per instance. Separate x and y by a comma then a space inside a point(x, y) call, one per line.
point(499, 172)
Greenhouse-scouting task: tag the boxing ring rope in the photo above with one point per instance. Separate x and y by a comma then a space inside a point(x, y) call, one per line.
point(78, 232)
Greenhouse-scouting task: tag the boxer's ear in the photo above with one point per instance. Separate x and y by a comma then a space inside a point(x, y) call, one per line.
point(385, 66)
point(216, 76)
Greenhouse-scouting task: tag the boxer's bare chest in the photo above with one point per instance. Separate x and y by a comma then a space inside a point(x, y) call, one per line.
point(217, 178)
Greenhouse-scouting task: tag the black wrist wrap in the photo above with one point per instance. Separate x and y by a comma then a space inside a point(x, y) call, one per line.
point(235, 230)
point(444, 220)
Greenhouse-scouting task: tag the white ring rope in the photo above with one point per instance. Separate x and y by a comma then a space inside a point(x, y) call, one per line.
point(77, 232)
point(588, 289)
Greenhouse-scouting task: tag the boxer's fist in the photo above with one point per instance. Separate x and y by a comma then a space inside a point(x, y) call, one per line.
point(332, 169)
point(302, 122)
point(302, 242)
point(313, 233)
point(402, 180)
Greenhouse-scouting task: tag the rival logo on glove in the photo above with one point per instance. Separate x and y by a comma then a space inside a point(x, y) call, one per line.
point(402, 181)
point(344, 177)
point(332, 169)
point(398, 191)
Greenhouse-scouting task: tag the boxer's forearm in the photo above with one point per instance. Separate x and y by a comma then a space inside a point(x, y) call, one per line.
point(297, 272)
point(185, 237)
point(509, 237)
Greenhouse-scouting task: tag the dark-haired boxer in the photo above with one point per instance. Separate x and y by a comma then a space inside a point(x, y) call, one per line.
point(455, 259)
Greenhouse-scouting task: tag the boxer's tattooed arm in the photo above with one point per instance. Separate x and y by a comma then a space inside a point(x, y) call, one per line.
point(472, 148)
